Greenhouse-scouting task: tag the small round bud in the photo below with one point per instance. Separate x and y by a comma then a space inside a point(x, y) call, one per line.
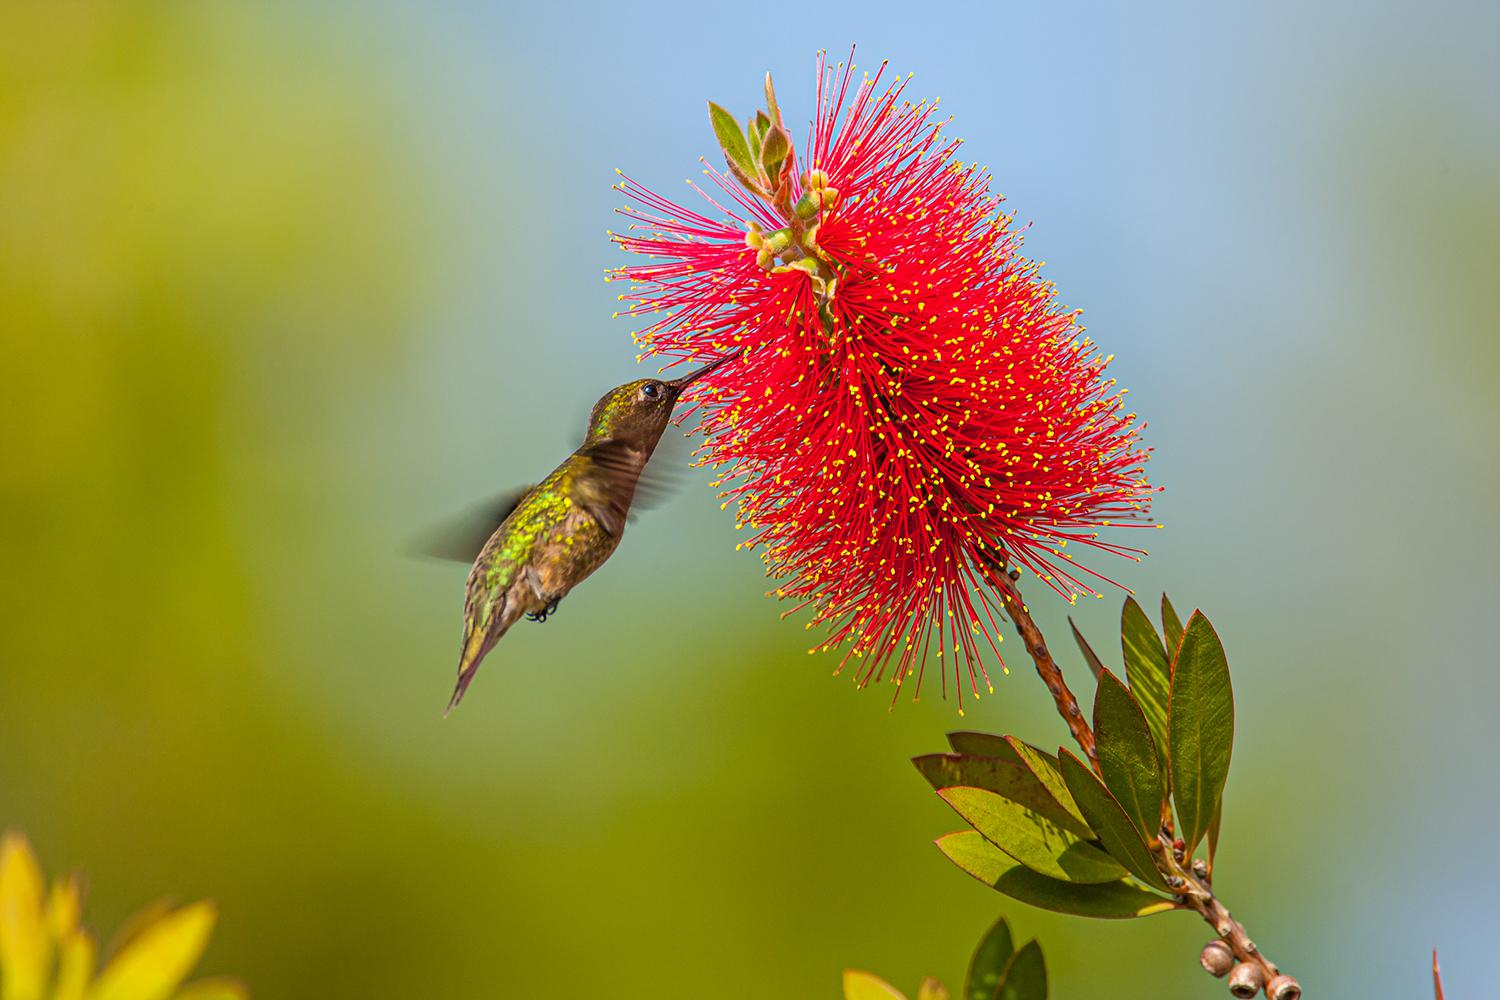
point(815, 179)
point(1200, 868)
point(1284, 988)
point(754, 238)
point(1245, 980)
point(1217, 959)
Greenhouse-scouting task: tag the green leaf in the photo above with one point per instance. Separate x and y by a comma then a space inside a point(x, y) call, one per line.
point(1044, 766)
point(1096, 665)
point(982, 745)
point(1012, 780)
point(1171, 628)
point(1108, 901)
point(1200, 728)
point(988, 964)
point(731, 139)
point(1026, 976)
point(762, 124)
point(1146, 668)
point(1116, 831)
point(1031, 838)
point(863, 986)
point(754, 138)
point(1128, 758)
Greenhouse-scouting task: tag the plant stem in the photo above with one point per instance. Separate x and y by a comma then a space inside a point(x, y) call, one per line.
point(1194, 889)
point(1047, 668)
point(1197, 894)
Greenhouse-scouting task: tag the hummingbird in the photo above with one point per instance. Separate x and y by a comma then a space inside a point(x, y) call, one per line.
point(548, 538)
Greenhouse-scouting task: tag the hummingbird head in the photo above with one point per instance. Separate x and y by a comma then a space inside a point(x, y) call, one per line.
point(638, 412)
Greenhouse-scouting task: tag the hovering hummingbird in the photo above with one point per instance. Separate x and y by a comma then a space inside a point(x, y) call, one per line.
point(547, 538)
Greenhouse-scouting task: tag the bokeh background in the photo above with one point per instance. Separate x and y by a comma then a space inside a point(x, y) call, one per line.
point(279, 285)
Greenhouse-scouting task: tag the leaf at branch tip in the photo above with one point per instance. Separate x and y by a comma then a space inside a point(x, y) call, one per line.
point(1129, 760)
point(1026, 976)
point(983, 745)
point(1200, 728)
point(1012, 780)
point(1437, 978)
point(988, 963)
point(755, 138)
point(1044, 766)
point(1107, 901)
point(774, 150)
point(751, 182)
point(1146, 668)
point(762, 124)
point(1116, 831)
point(931, 989)
point(1031, 838)
point(1089, 656)
point(771, 105)
point(863, 986)
point(1171, 628)
point(731, 139)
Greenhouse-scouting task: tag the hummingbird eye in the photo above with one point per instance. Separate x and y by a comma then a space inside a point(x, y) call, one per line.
point(651, 390)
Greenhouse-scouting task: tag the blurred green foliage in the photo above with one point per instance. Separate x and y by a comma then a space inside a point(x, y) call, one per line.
point(275, 290)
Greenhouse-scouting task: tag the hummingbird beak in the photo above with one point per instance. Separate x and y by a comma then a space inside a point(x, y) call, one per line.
point(680, 385)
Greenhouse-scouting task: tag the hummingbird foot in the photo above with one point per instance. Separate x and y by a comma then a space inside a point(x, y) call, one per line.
point(545, 613)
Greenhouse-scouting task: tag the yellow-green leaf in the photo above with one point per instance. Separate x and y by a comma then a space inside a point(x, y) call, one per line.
point(25, 947)
point(1044, 766)
point(75, 967)
point(863, 986)
point(1026, 976)
point(987, 966)
point(731, 139)
point(158, 959)
point(1128, 757)
point(1116, 831)
point(1146, 668)
point(992, 866)
point(1015, 781)
point(1031, 838)
point(931, 989)
point(1200, 728)
point(213, 989)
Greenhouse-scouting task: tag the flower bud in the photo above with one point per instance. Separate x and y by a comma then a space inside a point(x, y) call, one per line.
point(815, 179)
point(754, 238)
point(1284, 988)
point(1245, 980)
point(778, 241)
point(1217, 959)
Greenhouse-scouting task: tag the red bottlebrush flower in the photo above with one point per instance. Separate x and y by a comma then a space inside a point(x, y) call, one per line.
point(911, 412)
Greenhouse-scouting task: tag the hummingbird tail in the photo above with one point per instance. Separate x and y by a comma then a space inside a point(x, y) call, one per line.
point(464, 678)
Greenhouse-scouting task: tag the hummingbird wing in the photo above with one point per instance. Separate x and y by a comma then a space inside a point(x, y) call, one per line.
point(461, 538)
point(615, 472)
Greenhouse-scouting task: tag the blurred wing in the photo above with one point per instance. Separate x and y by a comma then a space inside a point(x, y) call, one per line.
point(605, 493)
point(461, 537)
point(662, 477)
